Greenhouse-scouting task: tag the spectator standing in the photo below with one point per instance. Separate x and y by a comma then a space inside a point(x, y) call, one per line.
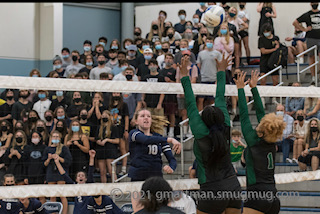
point(74, 109)
point(66, 57)
point(122, 75)
point(132, 56)
point(165, 49)
point(243, 14)
point(87, 47)
point(143, 69)
point(6, 108)
point(180, 26)
point(88, 61)
point(184, 45)
point(201, 10)
point(5, 135)
point(155, 32)
point(20, 105)
point(75, 67)
point(236, 149)
point(101, 68)
point(43, 104)
point(267, 12)
point(113, 62)
point(57, 66)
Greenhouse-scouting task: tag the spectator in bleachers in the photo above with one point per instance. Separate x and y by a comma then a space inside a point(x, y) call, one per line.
point(267, 12)
point(122, 75)
point(62, 128)
point(96, 108)
point(244, 33)
point(176, 35)
point(13, 157)
point(240, 26)
point(293, 104)
point(59, 101)
point(137, 32)
point(75, 66)
point(99, 50)
point(77, 104)
point(143, 70)
point(32, 97)
point(126, 43)
point(78, 144)
point(188, 35)
point(155, 32)
point(5, 135)
point(89, 64)
point(196, 24)
point(32, 118)
point(53, 74)
point(236, 149)
point(312, 107)
point(161, 20)
point(48, 115)
point(299, 133)
point(6, 108)
point(123, 64)
point(107, 141)
point(56, 149)
point(132, 56)
point(145, 44)
point(103, 41)
point(66, 57)
point(41, 128)
point(311, 154)
point(201, 10)
point(183, 202)
point(165, 49)
point(286, 143)
point(113, 62)
point(101, 68)
point(184, 44)
point(43, 104)
point(21, 104)
point(60, 114)
point(193, 75)
point(170, 100)
point(180, 26)
point(170, 39)
point(200, 41)
point(19, 126)
point(225, 6)
point(298, 45)
point(122, 55)
point(88, 128)
point(57, 66)
point(115, 44)
point(208, 69)
point(312, 32)
point(157, 48)
point(87, 48)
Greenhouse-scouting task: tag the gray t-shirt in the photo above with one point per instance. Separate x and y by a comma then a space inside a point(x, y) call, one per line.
point(65, 63)
point(112, 66)
point(95, 72)
point(73, 69)
point(207, 61)
point(178, 56)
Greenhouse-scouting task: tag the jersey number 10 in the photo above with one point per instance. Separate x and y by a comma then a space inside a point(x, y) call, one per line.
point(153, 149)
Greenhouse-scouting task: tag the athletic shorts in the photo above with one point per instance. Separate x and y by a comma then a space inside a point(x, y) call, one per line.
point(307, 158)
point(243, 34)
point(181, 103)
point(170, 108)
point(265, 69)
point(206, 96)
point(311, 42)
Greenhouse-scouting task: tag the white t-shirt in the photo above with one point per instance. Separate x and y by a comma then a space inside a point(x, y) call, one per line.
point(121, 77)
point(185, 204)
point(41, 107)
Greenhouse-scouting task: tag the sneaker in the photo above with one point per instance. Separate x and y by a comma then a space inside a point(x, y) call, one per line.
point(289, 160)
point(122, 173)
point(295, 160)
point(301, 60)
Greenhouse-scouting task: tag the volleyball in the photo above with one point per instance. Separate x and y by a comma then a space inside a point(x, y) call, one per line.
point(213, 16)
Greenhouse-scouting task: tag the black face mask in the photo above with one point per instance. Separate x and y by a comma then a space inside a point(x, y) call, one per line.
point(40, 129)
point(105, 120)
point(33, 119)
point(4, 128)
point(9, 185)
point(139, 45)
point(129, 77)
point(300, 118)
point(167, 27)
point(314, 6)
point(313, 129)
point(154, 27)
point(77, 100)
point(203, 34)
point(24, 96)
point(137, 33)
point(298, 31)
point(74, 58)
point(170, 36)
point(165, 50)
point(19, 139)
point(101, 62)
point(83, 116)
point(241, 6)
point(60, 129)
point(10, 98)
point(48, 118)
point(116, 98)
point(112, 58)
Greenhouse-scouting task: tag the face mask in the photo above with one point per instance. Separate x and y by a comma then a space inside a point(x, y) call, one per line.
point(65, 56)
point(74, 58)
point(129, 77)
point(195, 20)
point(232, 14)
point(9, 185)
point(40, 129)
point(77, 100)
point(112, 58)
point(60, 117)
point(41, 96)
point(267, 34)
point(59, 93)
point(188, 27)
point(314, 6)
point(105, 120)
point(86, 48)
point(101, 62)
point(56, 67)
point(168, 64)
point(48, 118)
point(10, 98)
point(145, 47)
point(313, 129)
point(165, 50)
point(188, 35)
point(126, 47)
point(137, 33)
point(170, 36)
point(35, 140)
point(89, 63)
point(35, 75)
point(55, 141)
point(102, 43)
point(280, 113)
point(4, 128)
point(124, 68)
point(139, 46)
point(182, 17)
point(59, 129)
point(153, 69)
point(131, 54)
point(241, 6)
point(114, 47)
point(209, 45)
point(203, 34)
point(154, 27)
point(183, 49)
point(223, 31)
point(75, 128)
point(300, 118)
point(147, 57)
point(158, 47)
point(202, 4)
point(33, 119)
point(19, 139)
point(24, 96)
point(84, 116)
point(116, 98)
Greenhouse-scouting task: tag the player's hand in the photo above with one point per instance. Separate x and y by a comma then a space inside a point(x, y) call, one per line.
point(183, 66)
point(92, 153)
point(224, 63)
point(254, 79)
point(176, 145)
point(167, 169)
point(240, 80)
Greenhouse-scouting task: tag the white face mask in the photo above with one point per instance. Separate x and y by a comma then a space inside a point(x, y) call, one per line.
point(280, 113)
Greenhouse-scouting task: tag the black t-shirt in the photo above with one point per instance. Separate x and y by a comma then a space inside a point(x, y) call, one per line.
point(74, 110)
point(133, 62)
point(93, 119)
point(18, 107)
point(152, 99)
point(6, 109)
point(143, 71)
point(267, 44)
point(171, 73)
point(55, 103)
point(85, 70)
point(119, 114)
point(311, 19)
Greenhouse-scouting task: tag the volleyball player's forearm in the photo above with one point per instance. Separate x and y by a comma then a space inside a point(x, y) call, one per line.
point(90, 174)
point(142, 138)
point(171, 159)
point(220, 100)
point(258, 104)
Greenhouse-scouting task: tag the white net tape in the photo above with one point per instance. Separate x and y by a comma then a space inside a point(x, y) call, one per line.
point(16, 82)
point(70, 190)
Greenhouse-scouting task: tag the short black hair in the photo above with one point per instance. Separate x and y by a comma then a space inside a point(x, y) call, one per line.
point(87, 42)
point(112, 51)
point(182, 12)
point(65, 49)
point(122, 52)
point(164, 12)
point(153, 61)
point(103, 38)
point(266, 27)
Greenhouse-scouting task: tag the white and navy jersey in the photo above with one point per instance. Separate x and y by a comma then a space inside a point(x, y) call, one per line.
point(35, 206)
point(145, 153)
point(10, 206)
point(106, 207)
